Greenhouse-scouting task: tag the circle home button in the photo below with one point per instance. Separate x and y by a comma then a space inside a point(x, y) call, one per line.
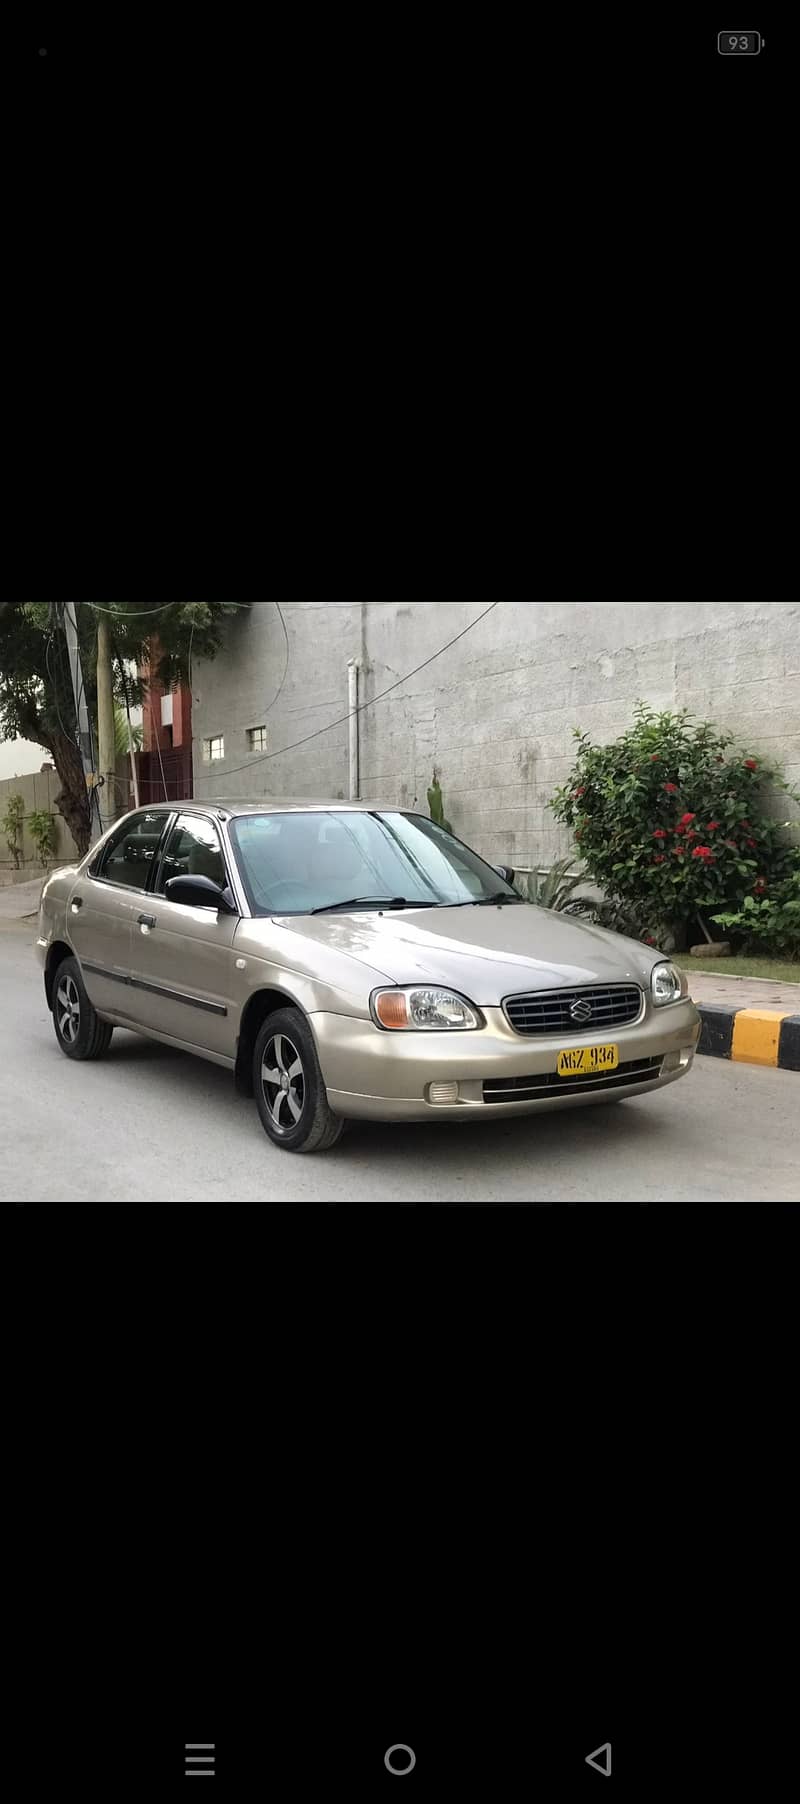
point(399, 1749)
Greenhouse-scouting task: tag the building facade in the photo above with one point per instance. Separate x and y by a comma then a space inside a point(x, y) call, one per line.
point(494, 714)
point(164, 765)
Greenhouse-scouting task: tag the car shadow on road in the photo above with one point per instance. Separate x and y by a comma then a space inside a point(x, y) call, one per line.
point(444, 1146)
point(485, 1142)
point(130, 1046)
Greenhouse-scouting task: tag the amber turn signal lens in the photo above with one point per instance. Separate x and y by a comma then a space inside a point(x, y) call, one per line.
point(392, 1010)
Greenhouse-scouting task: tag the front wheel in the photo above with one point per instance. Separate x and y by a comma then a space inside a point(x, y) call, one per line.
point(289, 1088)
point(79, 1031)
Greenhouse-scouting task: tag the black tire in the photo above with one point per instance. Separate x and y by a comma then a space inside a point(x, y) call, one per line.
point(315, 1128)
point(79, 1031)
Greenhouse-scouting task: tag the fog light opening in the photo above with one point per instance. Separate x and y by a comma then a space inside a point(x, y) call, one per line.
point(443, 1093)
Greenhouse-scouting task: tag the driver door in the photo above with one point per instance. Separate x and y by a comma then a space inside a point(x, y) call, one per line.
point(182, 957)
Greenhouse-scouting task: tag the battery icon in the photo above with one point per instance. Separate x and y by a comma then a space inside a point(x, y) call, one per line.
point(739, 43)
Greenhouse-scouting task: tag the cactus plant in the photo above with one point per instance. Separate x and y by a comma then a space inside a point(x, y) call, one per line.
point(436, 805)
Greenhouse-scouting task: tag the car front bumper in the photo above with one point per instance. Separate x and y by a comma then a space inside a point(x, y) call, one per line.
point(387, 1076)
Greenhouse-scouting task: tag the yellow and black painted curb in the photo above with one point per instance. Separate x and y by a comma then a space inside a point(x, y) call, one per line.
point(756, 1036)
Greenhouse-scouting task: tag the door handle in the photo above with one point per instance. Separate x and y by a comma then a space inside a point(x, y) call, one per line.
point(76, 903)
point(146, 920)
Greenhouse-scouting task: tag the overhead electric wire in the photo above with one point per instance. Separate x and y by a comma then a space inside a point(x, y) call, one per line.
point(263, 756)
point(147, 613)
point(48, 650)
point(286, 665)
point(94, 799)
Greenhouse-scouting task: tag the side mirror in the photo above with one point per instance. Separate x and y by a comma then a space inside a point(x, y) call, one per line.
point(504, 870)
point(200, 892)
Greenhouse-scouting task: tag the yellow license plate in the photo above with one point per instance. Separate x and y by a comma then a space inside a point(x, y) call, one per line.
point(587, 1059)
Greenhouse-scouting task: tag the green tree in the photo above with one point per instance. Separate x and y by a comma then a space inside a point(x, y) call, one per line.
point(36, 698)
point(121, 746)
point(672, 819)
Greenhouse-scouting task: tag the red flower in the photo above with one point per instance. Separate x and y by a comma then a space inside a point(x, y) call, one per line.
point(579, 792)
point(690, 833)
point(660, 833)
point(750, 764)
point(684, 818)
point(710, 825)
point(654, 756)
point(677, 851)
point(648, 939)
point(732, 844)
point(702, 852)
point(659, 858)
point(760, 883)
point(671, 788)
point(745, 824)
point(750, 842)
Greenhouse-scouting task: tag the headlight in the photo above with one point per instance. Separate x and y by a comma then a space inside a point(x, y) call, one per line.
point(418, 1007)
point(668, 984)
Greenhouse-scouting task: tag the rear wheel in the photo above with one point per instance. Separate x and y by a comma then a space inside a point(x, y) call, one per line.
point(79, 1031)
point(289, 1087)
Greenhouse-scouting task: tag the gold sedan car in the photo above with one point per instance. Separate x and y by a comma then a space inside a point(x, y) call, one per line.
point(344, 959)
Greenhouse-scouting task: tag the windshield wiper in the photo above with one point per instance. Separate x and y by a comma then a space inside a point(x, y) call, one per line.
point(374, 901)
point(500, 895)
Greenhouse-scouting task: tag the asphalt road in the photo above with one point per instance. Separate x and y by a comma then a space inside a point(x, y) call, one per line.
point(147, 1123)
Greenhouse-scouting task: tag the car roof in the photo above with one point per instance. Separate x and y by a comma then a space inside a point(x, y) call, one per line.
point(269, 805)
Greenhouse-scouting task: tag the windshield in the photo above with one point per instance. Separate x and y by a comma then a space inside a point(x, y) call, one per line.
point(293, 863)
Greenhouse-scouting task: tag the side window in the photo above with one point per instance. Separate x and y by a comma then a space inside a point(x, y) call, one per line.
point(192, 850)
point(127, 856)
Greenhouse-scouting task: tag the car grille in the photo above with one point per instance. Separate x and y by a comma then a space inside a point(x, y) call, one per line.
point(548, 1011)
point(548, 1083)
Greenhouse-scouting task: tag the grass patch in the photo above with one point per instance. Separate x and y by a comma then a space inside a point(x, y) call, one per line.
point(776, 970)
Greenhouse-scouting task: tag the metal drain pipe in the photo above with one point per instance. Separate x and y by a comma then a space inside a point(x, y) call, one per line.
point(353, 668)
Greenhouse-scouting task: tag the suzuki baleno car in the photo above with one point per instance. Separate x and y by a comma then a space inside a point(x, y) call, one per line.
point(344, 959)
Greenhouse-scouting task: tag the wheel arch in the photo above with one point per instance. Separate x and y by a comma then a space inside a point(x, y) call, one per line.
point(258, 1006)
point(55, 957)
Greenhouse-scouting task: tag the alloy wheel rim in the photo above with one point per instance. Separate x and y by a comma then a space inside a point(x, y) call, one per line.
point(283, 1083)
point(68, 1004)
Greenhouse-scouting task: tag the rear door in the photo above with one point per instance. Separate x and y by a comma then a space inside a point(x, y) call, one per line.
point(182, 958)
point(104, 904)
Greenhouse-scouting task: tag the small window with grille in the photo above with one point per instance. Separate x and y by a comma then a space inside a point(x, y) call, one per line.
point(256, 739)
point(213, 749)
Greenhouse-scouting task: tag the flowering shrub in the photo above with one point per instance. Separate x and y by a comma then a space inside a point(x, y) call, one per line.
point(671, 819)
point(769, 920)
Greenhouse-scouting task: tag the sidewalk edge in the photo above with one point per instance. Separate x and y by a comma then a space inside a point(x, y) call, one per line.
point(751, 1036)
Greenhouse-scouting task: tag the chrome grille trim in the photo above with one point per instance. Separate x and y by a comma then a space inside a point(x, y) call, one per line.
point(547, 1011)
point(548, 1083)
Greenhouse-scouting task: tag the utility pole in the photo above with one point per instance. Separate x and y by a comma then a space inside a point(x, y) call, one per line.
point(82, 714)
point(131, 752)
point(106, 752)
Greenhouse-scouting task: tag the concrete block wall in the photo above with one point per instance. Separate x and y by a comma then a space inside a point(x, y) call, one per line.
point(38, 791)
point(495, 713)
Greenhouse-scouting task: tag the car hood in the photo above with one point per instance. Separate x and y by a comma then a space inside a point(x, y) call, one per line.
point(486, 953)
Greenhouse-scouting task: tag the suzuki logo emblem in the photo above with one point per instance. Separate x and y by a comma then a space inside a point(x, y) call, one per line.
point(581, 1010)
